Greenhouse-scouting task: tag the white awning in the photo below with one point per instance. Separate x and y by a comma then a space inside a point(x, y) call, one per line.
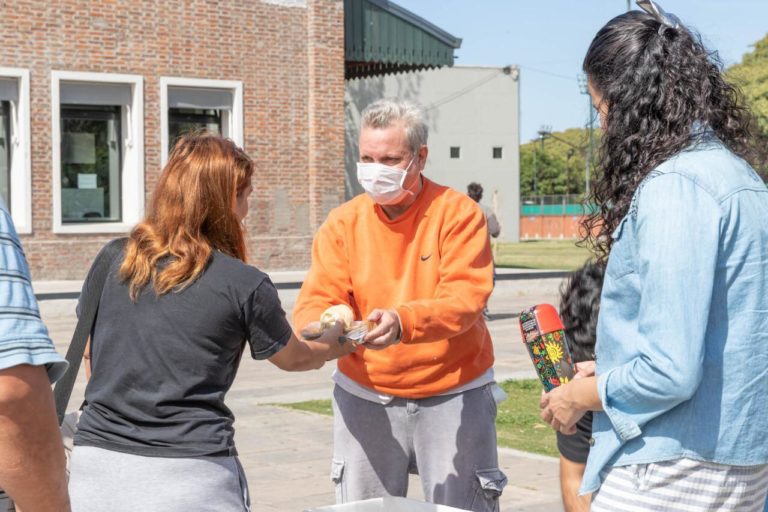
point(9, 89)
point(79, 93)
point(200, 98)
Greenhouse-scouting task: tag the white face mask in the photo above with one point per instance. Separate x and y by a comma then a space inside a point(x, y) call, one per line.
point(383, 183)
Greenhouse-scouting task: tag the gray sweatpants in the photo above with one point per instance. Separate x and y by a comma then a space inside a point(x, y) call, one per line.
point(449, 441)
point(104, 480)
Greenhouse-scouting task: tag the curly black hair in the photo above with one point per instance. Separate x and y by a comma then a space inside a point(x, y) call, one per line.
point(579, 308)
point(661, 87)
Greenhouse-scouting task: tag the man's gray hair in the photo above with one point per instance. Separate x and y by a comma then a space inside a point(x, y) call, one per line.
point(386, 112)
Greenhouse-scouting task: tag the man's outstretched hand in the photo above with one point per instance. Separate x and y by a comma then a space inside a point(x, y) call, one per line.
point(387, 331)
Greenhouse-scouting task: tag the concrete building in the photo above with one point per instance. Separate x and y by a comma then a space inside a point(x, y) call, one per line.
point(473, 115)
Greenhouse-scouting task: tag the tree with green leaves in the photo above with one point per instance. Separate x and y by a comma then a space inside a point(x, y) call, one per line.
point(557, 166)
point(752, 76)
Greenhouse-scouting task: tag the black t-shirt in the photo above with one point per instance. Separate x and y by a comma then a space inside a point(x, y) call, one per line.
point(576, 447)
point(162, 365)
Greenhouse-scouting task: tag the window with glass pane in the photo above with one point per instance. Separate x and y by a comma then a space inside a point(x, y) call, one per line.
point(455, 152)
point(196, 109)
point(497, 152)
point(5, 152)
point(91, 163)
point(190, 120)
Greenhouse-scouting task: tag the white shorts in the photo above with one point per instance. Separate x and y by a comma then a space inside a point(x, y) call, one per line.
point(682, 485)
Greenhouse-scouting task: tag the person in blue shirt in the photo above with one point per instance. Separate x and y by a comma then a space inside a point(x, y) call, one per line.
point(681, 383)
point(31, 452)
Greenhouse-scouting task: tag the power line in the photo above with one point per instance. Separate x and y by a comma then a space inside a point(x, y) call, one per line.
point(467, 89)
point(487, 79)
point(545, 72)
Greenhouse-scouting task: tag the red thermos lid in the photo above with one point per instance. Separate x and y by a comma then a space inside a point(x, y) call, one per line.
point(548, 319)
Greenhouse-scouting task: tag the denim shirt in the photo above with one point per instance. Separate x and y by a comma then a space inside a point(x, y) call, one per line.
point(682, 337)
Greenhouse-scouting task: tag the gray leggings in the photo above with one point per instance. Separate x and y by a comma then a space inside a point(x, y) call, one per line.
point(104, 480)
point(449, 441)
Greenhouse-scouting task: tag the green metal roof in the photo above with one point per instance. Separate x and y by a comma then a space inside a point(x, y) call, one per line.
point(381, 37)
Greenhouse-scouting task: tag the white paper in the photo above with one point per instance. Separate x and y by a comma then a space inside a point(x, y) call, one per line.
point(86, 181)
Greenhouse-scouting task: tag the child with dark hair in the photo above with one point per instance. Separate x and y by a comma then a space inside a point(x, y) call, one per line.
point(579, 307)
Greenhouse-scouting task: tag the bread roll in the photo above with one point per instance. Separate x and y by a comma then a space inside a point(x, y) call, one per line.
point(340, 312)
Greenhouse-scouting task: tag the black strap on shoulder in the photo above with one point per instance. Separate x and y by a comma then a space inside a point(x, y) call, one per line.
point(90, 306)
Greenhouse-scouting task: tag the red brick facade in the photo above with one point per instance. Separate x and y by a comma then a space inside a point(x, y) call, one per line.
point(289, 56)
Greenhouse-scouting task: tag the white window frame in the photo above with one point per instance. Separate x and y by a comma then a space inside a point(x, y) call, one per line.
point(132, 186)
point(235, 121)
point(21, 156)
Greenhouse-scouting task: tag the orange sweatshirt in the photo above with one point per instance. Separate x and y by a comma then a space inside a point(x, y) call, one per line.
point(432, 265)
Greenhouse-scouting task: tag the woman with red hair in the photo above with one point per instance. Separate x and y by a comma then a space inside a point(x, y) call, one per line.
point(175, 316)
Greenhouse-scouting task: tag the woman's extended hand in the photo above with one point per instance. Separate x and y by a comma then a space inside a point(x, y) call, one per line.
point(304, 354)
point(562, 407)
point(339, 346)
point(585, 369)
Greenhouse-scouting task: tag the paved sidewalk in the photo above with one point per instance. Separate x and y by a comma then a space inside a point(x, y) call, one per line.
point(286, 454)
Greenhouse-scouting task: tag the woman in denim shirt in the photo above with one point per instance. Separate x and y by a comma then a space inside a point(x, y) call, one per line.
point(682, 344)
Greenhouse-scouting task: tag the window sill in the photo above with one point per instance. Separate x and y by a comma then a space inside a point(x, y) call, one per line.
point(96, 227)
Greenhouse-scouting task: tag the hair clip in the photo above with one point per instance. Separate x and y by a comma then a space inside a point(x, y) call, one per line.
point(667, 19)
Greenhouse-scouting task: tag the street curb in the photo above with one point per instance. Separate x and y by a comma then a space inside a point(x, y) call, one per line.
point(295, 285)
point(527, 455)
point(547, 274)
point(76, 295)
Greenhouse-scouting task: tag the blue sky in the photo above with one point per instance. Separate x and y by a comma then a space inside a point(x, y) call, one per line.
point(548, 39)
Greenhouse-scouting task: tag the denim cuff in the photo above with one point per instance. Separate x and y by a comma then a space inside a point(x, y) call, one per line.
point(55, 365)
point(622, 423)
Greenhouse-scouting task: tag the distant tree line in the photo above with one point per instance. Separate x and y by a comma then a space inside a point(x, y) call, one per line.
point(752, 76)
point(555, 163)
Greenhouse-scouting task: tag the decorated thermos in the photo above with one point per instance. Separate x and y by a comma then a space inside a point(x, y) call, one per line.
point(544, 337)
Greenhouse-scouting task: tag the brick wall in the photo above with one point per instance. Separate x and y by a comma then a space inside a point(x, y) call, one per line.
point(289, 56)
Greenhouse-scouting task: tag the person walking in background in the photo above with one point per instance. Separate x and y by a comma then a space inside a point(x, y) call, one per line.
point(31, 452)
point(681, 386)
point(579, 309)
point(413, 257)
point(475, 191)
point(175, 315)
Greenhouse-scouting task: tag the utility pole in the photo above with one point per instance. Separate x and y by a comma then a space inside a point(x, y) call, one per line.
point(544, 132)
point(629, 7)
point(582, 78)
point(568, 156)
point(535, 171)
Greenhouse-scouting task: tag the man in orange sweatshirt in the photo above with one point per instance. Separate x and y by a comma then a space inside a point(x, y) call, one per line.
point(413, 257)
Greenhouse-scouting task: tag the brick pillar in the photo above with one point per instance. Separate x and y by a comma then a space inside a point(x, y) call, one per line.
point(325, 47)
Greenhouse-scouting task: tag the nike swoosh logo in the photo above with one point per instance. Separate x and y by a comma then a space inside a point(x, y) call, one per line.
point(425, 258)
